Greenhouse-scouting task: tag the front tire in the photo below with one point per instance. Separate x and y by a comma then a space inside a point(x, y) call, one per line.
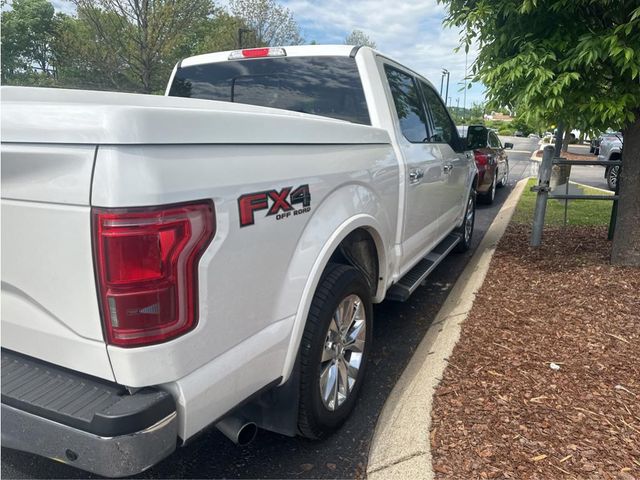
point(505, 177)
point(334, 350)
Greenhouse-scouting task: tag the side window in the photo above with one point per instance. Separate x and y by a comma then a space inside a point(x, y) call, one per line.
point(494, 141)
point(408, 104)
point(443, 129)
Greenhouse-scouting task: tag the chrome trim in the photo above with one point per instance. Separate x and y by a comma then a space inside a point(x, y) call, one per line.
point(107, 456)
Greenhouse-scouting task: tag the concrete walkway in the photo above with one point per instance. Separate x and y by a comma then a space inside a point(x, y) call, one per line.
point(401, 446)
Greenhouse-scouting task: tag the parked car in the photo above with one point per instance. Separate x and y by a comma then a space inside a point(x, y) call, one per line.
point(594, 145)
point(518, 133)
point(611, 149)
point(491, 159)
point(172, 263)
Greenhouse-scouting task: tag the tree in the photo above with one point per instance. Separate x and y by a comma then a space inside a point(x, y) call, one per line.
point(144, 34)
point(571, 61)
point(80, 59)
point(27, 31)
point(359, 38)
point(270, 24)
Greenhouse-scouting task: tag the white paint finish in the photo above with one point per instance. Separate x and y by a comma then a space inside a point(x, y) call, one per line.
point(47, 173)
point(48, 115)
point(254, 276)
point(47, 258)
point(29, 329)
point(211, 391)
point(49, 301)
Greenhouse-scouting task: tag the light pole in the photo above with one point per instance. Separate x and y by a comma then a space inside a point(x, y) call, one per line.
point(447, 73)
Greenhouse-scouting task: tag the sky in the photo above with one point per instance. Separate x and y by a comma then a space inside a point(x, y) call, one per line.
point(408, 31)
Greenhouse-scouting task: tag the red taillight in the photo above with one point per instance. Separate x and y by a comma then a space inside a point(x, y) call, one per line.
point(146, 262)
point(481, 158)
point(258, 53)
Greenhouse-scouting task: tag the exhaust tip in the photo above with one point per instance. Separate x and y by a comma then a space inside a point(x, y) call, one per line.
point(247, 434)
point(238, 430)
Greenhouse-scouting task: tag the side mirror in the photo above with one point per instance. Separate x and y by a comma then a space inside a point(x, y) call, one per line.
point(508, 145)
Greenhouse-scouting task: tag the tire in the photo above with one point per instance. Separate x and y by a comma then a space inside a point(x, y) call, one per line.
point(505, 178)
point(489, 196)
point(324, 352)
point(612, 177)
point(467, 234)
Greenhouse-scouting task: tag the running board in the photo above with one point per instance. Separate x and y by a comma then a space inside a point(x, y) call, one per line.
point(402, 290)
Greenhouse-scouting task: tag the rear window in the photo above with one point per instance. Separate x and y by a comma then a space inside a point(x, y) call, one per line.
point(477, 137)
point(327, 86)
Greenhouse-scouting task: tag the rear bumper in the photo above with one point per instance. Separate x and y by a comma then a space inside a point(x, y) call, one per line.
point(83, 421)
point(107, 456)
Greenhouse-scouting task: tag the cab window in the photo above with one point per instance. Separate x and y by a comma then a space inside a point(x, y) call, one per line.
point(406, 98)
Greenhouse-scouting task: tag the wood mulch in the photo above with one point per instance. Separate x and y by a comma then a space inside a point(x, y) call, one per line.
point(545, 380)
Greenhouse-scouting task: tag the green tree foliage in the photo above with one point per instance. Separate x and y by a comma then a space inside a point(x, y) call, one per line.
point(556, 58)
point(563, 60)
point(359, 38)
point(270, 24)
point(144, 34)
point(27, 33)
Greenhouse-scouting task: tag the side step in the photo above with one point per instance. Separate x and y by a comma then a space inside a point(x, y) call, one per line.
point(402, 290)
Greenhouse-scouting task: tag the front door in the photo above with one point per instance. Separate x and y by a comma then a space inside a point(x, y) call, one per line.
point(456, 162)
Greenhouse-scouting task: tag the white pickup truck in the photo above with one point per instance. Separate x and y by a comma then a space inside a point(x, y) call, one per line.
point(172, 263)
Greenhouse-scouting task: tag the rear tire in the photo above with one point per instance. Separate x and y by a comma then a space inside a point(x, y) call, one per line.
point(468, 221)
point(334, 350)
point(489, 196)
point(612, 177)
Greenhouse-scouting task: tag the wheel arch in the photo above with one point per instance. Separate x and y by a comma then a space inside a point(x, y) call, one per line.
point(340, 246)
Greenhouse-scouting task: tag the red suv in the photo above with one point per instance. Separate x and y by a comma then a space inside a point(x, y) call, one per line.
point(491, 159)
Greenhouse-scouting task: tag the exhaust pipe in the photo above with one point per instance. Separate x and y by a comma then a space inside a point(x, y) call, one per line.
point(238, 430)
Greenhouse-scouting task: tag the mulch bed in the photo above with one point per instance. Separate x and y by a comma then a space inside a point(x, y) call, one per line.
point(504, 409)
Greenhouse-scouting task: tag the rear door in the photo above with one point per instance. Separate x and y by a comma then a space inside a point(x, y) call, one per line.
point(455, 161)
point(424, 178)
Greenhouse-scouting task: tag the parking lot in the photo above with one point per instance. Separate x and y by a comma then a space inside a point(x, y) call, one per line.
point(399, 327)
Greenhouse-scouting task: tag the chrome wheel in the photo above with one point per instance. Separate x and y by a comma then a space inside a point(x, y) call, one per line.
point(612, 180)
point(468, 220)
point(493, 186)
point(505, 177)
point(342, 352)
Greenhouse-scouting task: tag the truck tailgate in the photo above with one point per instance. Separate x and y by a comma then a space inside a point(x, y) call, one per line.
point(49, 300)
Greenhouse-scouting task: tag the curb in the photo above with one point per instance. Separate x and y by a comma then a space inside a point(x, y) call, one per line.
point(535, 158)
point(401, 448)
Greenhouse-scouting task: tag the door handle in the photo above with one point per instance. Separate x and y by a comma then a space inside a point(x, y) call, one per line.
point(448, 168)
point(415, 175)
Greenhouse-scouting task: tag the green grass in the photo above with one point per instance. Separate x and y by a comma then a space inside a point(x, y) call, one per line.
point(579, 212)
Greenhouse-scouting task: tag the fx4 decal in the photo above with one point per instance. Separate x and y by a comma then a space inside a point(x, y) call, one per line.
point(279, 203)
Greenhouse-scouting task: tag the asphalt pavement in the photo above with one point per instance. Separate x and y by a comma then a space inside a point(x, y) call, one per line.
point(398, 330)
